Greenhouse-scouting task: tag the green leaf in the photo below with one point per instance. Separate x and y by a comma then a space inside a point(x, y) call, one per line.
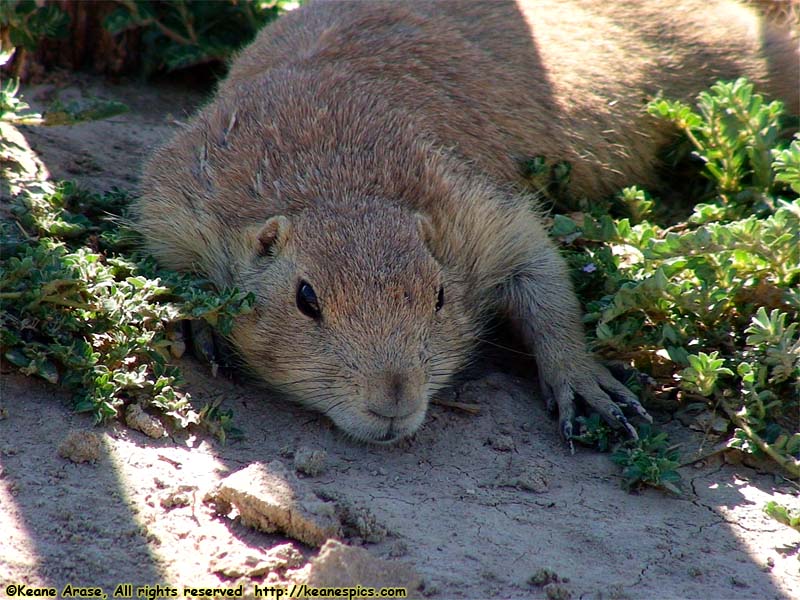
point(121, 19)
point(563, 226)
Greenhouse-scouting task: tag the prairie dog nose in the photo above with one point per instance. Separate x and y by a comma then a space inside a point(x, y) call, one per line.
point(396, 386)
point(392, 395)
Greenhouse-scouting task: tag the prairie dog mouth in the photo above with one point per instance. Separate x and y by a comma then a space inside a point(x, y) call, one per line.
point(396, 428)
point(372, 427)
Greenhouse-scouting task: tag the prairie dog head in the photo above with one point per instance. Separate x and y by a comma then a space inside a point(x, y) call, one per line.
point(354, 316)
point(303, 202)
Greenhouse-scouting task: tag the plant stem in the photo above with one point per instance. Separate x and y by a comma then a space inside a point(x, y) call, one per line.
point(792, 466)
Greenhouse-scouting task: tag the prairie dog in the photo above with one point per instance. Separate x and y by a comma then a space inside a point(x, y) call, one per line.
point(359, 171)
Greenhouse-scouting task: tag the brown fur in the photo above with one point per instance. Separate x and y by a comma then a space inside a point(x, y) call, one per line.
point(372, 150)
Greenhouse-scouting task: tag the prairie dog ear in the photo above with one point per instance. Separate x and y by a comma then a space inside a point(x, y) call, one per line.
point(425, 228)
point(272, 236)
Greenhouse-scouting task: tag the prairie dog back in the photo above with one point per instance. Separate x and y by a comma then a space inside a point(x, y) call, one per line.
point(567, 80)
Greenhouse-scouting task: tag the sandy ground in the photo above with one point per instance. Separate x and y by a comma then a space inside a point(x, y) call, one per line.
point(449, 500)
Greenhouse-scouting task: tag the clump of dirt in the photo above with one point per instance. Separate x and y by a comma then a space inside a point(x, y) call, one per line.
point(551, 584)
point(259, 563)
point(178, 497)
point(529, 478)
point(136, 418)
point(358, 521)
point(81, 446)
point(340, 566)
point(271, 498)
point(310, 462)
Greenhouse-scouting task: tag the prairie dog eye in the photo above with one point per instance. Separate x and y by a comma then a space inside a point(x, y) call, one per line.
point(307, 301)
point(440, 299)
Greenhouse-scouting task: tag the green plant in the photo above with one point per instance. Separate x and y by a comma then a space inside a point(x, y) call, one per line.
point(78, 306)
point(81, 308)
point(733, 133)
point(174, 34)
point(766, 406)
point(219, 422)
point(786, 164)
point(549, 178)
point(648, 461)
point(28, 21)
point(592, 431)
point(12, 107)
point(651, 461)
point(711, 301)
point(701, 376)
point(783, 514)
point(14, 110)
point(638, 203)
point(182, 33)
